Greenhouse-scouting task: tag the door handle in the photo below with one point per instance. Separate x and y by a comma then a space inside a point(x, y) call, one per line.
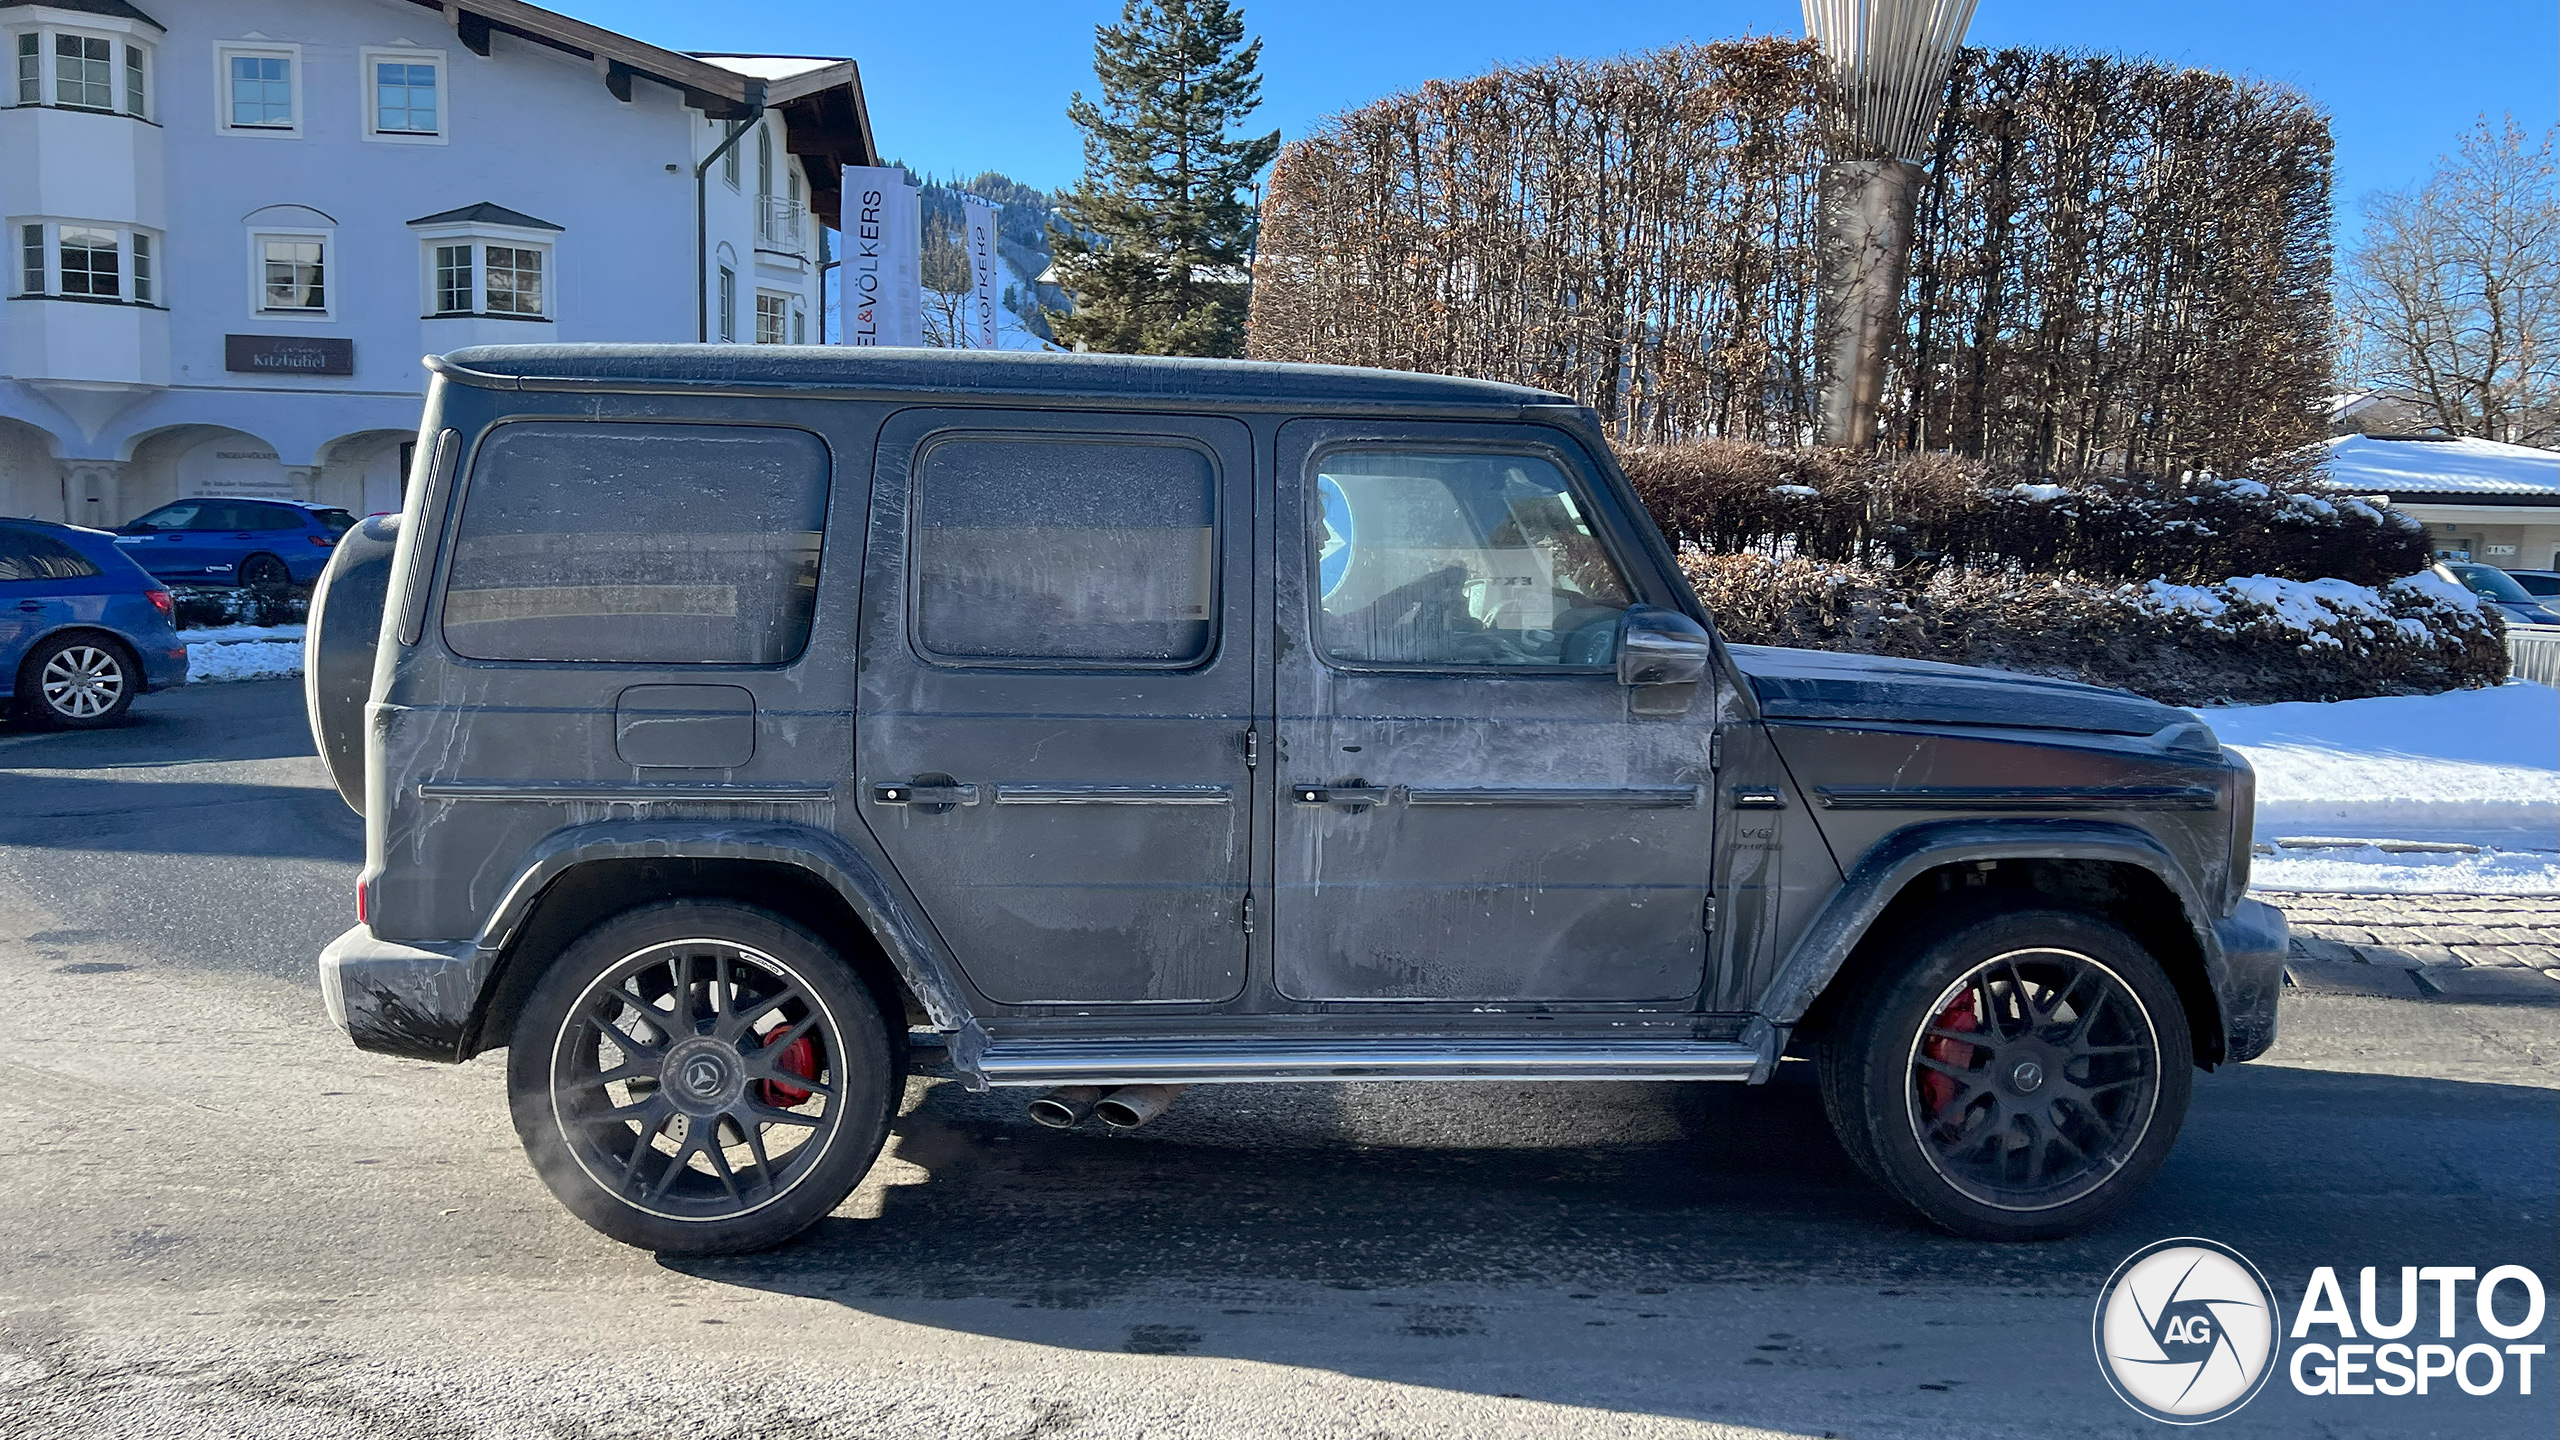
point(935, 793)
point(30, 604)
point(1354, 795)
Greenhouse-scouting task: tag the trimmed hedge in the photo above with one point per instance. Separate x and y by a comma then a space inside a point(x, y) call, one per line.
point(1727, 496)
point(2252, 641)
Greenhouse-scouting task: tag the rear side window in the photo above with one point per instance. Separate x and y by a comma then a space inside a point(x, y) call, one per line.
point(336, 522)
point(647, 544)
point(1041, 551)
point(40, 557)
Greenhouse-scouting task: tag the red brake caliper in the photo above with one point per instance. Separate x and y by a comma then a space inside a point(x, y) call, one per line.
point(1938, 1089)
point(800, 1058)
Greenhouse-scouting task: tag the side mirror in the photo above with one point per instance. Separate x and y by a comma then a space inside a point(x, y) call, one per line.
point(1663, 655)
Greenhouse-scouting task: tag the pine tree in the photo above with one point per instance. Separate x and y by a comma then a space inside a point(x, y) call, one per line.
point(1158, 233)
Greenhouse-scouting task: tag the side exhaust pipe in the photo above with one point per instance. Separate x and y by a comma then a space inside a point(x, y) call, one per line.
point(1065, 1107)
point(1131, 1106)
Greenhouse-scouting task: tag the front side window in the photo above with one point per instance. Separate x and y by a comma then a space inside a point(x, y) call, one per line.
point(1425, 558)
point(261, 93)
point(640, 544)
point(295, 274)
point(453, 279)
point(404, 97)
point(1039, 550)
point(514, 280)
point(31, 260)
point(142, 270)
point(181, 516)
point(30, 69)
point(84, 72)
point(773, 317)
point(89, 262)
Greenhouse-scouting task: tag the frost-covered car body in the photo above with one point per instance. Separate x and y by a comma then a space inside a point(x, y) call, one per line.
point(1130, 721)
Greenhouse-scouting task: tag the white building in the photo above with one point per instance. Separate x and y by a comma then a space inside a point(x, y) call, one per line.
point(234, 226)
point(2481, 500)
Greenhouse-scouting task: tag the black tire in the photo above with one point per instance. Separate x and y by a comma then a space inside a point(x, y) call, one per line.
point(2045, 1131)
point(657, 1012)
point(264, 572)
point(79, 681)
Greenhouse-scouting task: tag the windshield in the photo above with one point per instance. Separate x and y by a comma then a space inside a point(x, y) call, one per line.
point(2493, 582)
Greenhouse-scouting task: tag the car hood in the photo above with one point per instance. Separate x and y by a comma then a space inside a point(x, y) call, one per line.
point(1824, 685)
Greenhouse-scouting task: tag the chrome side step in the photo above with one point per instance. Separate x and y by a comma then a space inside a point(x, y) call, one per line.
point(1211, 1062)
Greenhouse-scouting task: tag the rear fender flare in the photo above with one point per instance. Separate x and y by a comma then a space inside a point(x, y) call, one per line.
point(909, 945)
point(1906, 854)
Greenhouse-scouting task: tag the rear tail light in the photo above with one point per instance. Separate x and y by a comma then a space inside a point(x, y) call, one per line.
point(161, 602)
point(323, 541)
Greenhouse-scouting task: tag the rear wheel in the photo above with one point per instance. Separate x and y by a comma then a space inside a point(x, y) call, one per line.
point(2019, 1076)
point(701, 1077)
point(264, 572)
point(78, 682)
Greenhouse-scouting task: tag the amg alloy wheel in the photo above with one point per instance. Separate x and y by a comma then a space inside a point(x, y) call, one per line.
point(701, 1077)
point(78, 682)
point(2019, 1077)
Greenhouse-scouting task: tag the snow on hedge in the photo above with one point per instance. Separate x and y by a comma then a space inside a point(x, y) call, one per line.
point(221, 653)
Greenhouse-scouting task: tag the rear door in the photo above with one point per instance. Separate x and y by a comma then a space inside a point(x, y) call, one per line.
point(1057, 682)
point(1472, 809)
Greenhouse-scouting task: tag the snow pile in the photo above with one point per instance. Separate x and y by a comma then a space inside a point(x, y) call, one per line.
point(2480, 767)
point(243, 652)
point(2322, 612)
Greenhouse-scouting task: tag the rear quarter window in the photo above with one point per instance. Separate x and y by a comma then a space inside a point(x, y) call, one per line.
point(25, 556)
point(666, 544)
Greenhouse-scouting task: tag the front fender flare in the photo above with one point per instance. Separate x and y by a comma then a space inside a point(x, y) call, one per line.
point(909, 945)
point(1904, 855)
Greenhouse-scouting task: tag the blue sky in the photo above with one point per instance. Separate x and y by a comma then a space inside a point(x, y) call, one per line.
point(2401, 80)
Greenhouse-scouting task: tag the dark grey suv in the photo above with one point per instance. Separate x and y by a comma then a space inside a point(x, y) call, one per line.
point(727, 721)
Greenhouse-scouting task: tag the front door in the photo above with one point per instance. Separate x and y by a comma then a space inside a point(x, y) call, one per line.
point(1471, 810)
point(1057, 685)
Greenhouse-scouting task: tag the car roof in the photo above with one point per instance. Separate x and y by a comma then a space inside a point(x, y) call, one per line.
point(976, 374)
point(250, 500)
point(33, 523)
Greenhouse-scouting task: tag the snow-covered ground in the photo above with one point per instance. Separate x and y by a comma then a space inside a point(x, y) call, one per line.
point(243, 652)
point(2475, 769)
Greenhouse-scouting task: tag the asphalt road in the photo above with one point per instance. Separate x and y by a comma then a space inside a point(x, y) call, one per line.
point(220, 1219)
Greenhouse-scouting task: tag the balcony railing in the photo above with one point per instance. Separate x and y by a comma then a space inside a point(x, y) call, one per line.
point(782, 224)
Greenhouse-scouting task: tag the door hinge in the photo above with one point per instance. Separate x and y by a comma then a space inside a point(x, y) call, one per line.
point(1252, 748)
point(1715, 751)
point(1707, 918)
point(1248, 914)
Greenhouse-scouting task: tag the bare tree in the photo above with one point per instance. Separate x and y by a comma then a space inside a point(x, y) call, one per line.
point(2453, 291)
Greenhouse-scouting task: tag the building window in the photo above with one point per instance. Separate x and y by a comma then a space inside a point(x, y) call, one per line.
point(30, 69)
point(453, 280)
point(259, 93)
point(295, 273)
point(728, 304)
point(773, 317)
point(134, 88)
point(142, 287)
point(764, 161)
point(799, 322)
point(514, 280)
point(405, 92)
point(31, 257)
point(89, 263)
point(728, 158)
point(84, 72)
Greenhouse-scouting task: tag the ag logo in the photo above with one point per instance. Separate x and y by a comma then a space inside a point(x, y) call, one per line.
point(2186, 1331)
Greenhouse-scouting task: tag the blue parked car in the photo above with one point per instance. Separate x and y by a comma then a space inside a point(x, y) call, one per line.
point(229, 540)
point(82, 629)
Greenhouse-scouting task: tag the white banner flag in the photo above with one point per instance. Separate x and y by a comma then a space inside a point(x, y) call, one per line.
point(883, 269)
point(986, 274)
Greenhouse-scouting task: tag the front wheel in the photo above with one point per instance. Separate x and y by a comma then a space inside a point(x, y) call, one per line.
point(2018, 1077)
point(701, 1077)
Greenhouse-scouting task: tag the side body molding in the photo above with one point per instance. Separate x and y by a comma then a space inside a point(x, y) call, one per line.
point(1905, 854)
point(908, 944)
